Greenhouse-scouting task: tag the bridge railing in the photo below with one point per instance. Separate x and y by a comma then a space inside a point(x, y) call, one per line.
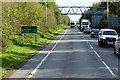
point(81, 10)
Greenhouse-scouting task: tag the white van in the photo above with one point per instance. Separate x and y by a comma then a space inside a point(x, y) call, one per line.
point(85, 23)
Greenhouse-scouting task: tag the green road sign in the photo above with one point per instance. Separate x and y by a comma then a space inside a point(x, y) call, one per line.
point(28, 29)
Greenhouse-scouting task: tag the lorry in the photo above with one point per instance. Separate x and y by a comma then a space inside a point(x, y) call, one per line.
point(85, 23)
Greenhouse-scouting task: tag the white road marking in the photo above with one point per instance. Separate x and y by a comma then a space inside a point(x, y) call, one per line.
point(91, 46)
point(108, 68)
point(96, 53)
point(38, 66)
point(102, 59)
point(113, 74)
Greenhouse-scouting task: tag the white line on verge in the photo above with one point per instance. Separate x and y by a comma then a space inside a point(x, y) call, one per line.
point(34, 71)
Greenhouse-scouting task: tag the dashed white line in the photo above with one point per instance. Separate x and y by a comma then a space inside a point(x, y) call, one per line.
point(102, 59)
point(38, 66)
point(96, 53)
point(91, 46)
point(108, 68)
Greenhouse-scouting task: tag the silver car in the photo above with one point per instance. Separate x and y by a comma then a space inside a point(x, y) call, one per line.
point(117, 47)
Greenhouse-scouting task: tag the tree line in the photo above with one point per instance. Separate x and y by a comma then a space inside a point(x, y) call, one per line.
point(16, 14)
point(114, 10)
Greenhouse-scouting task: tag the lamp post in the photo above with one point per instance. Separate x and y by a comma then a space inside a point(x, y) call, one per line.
point(107, 13)
point(107, 10)
point(46, 12)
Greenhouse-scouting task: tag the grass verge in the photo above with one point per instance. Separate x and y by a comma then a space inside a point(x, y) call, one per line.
point(16, 54)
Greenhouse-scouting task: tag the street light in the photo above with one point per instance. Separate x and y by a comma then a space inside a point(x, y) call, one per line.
point(107, 10)
point(46, 12)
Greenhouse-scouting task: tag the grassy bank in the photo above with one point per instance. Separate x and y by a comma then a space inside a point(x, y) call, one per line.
point(16, 54)
point(16, 14)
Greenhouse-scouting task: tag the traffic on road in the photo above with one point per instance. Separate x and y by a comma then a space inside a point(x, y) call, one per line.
point(106, 37)
point(72, 54)
point(60, 40)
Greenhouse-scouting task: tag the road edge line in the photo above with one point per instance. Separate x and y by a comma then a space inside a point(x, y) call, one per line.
point(38, 66)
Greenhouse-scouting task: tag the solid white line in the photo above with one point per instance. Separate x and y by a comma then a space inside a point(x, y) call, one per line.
point(108, 68)
point(38, 66)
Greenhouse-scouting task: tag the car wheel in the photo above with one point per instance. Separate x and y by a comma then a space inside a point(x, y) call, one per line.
point(99, 43)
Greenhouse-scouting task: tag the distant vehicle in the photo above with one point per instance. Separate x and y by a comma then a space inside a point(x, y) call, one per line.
point(94, 33)
point(107, 37)
point(87, 30)
point(72, 24)
point(117, 47)
point(84, 24)
point(80, 28)
point(78, 25)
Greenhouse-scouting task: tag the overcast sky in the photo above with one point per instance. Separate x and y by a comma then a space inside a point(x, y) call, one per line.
point(75, 3)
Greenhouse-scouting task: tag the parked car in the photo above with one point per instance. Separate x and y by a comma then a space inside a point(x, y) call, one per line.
point(117, 47)
point(94, 33)
point(87, 30)
point(107, 37)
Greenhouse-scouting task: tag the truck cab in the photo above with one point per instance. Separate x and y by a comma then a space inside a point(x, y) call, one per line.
point(85, 24)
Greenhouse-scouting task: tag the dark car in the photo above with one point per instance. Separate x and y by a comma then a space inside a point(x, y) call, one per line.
point(94, 33)
point(117, 47)
point(87, 30)
point(80, 28)
point(72, 24)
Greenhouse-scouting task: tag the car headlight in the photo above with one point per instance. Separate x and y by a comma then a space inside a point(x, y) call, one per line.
point(92, 32)
point(103, 37)
point(116, 38)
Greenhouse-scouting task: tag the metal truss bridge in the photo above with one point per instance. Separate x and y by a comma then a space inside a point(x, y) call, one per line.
point(81, 10)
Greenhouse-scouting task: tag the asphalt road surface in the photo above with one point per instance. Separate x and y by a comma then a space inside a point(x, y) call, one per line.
point(72, 55)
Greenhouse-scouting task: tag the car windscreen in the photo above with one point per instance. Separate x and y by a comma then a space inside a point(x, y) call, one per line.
point(109, 33)
point(84, 23)
point(88, 29)
point(72, 23)
point(96, 31)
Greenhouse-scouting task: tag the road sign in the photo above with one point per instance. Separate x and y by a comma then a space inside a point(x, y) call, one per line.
point(28, 29)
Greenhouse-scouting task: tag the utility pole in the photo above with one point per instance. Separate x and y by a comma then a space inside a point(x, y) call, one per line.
point(107, 10)
point(46, 12)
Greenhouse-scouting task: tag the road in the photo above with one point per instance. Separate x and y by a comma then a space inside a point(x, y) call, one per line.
point(71, 55)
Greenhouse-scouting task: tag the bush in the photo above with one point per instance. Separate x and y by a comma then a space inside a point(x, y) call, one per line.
point(14, 15)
